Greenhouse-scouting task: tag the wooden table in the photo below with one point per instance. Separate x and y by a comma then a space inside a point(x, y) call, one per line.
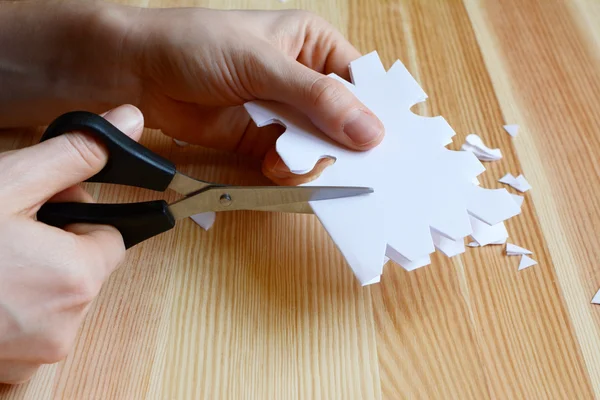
point(263, 306)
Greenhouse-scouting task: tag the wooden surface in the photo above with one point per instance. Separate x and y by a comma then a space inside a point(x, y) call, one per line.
point(262, 306)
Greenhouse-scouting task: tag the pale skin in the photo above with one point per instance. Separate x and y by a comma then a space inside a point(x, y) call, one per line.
point(184, 71)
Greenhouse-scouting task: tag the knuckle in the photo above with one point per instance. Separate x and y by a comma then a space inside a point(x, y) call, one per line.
point(303, 14)
point(79, 288)
point(71, 266)
point(325, 91)
point(84, 150)
point(53, 349)
point(310, 20)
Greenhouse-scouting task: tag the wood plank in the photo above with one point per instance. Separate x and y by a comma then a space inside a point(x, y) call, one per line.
point(488, 340)
point(277, 314)
point(548, 82)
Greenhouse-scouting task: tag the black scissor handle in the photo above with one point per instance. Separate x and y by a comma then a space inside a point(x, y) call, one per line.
point(129, 163)
point(135, 221)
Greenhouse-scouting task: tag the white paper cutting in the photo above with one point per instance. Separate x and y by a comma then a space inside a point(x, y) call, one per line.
point(475, 145)
point(205, 220)
point(512, 130)
point(485, 234)
point(377, 279)
point(180, 143)
point(596, 299)
point(519, 183)
point(508, 179)
point(518, 199)
point(449, 247)
point(420, 186)
point(514, 250)
point(500, 241)
point(526, 262)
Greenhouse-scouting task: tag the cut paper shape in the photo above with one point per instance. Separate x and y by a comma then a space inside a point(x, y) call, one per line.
point(514, 250)
point(512, 130)
point(596, 299)
point(449, 247)
point(519, 183)
point(491, 205)
point(205, 220)
point(180, 143)
point(475, 145)
point(508, 179)
point(377, 279)
point(518, 199)
point(419, 185)
point(485, 234)
point(475, 244)
point(526, 262)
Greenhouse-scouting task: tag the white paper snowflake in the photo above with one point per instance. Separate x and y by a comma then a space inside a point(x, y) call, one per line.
point(424, 193)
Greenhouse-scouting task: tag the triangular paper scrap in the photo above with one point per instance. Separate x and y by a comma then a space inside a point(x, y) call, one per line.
point(526, 262)
point(205, 220)
point(508, 179)
point(377, 279)
point(514, 250)
point(521, 184)
point(512, 130)
point(475, 244)
point(596, 299)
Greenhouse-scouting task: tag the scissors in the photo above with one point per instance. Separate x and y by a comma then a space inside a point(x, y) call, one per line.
point(131, 164)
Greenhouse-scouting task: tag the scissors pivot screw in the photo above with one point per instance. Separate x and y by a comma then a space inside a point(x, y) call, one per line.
point(225, 199)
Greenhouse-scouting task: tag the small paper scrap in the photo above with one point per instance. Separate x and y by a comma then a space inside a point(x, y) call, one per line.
point(519, 183)
point(205, 220)
point(485, 234)
point(475, 244)
point(526, 262)
point(180, 143)
point(596, 299)
point(514, 250)
point(475, 145)
point(512, 130)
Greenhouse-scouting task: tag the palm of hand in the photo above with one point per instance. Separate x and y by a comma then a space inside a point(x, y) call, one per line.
point(194, 90)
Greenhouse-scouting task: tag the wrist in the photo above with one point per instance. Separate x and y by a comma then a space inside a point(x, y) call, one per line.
point(60, 56)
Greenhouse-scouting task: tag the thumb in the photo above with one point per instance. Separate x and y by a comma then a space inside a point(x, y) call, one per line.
point(40, 171)
point(328, 103)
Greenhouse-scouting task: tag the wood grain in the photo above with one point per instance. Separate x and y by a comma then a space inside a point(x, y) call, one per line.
point(262, 306)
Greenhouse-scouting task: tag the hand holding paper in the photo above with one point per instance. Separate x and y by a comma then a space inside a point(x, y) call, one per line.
point(189, 71)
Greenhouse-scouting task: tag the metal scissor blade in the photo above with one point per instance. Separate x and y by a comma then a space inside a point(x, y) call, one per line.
point(295, 208)
point(265, 198)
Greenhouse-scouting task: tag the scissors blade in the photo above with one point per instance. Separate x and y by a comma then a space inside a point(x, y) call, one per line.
point(265, 198)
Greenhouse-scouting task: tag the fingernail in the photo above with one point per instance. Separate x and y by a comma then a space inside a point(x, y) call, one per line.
point(127, 118)
point(363, 128)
